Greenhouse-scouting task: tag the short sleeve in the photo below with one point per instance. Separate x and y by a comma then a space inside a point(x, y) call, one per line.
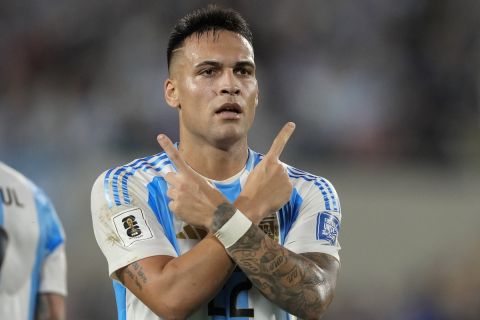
point(317, 226)
point(54, 264)
point(54, 272)
point(126, 233)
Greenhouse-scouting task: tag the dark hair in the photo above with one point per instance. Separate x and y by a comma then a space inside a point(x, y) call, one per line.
point(211, 18)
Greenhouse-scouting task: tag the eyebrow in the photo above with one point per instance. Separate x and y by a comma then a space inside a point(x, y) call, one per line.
point(216, 64)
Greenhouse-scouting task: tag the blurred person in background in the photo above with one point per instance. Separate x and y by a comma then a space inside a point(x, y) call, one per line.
point(33, 275)
point(170, 225)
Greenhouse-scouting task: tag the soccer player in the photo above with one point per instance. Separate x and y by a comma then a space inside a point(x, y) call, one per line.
point(210, 229)
point(33, 273)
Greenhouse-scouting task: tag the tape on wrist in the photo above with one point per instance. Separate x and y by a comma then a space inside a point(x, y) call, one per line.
point(233, 229)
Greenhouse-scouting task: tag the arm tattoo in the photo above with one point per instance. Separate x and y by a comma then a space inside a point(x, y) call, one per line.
point(224, 212)
point(292, 281)
point(135, 272)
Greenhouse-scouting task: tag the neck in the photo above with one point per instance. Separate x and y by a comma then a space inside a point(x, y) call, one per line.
point(214, 162)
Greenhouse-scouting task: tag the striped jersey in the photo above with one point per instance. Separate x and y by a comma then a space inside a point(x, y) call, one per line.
point(132, 221)
point(34, 260)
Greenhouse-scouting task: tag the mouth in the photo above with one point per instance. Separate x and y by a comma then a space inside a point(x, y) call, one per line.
point(229, 107)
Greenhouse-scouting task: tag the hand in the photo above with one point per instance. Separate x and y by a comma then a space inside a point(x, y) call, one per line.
point(192, 198)
point(267, 187)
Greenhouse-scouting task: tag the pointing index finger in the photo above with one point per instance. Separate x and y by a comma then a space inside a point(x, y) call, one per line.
point(172, 153)
point(281, 140)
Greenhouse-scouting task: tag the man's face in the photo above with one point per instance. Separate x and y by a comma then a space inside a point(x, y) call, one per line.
point(213, 84)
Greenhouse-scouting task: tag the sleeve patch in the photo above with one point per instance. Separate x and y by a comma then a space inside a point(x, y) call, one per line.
point(131, 226)
point(327, 227)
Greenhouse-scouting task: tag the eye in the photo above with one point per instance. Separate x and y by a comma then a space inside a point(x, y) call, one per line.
point(244, 71)
point(207, 72)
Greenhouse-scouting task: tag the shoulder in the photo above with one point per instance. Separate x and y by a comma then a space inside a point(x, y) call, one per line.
point(141, 167)
point(24, 185)
point(308, 185)
point(116, 183)
point(301, 175)
point(298, 176)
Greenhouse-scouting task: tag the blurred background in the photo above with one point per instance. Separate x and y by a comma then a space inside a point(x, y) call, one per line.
point(385, 94)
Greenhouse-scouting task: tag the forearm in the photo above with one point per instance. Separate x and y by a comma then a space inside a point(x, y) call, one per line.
point(291, 281)
point(184, 283)
point(195, 277)
point(294, 282)
point(50, 306)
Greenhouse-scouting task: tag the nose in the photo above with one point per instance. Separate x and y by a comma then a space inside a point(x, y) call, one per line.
point(229, 84)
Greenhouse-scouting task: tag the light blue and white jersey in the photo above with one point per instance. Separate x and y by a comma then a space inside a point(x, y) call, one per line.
point(132, 221)
point(35, 256)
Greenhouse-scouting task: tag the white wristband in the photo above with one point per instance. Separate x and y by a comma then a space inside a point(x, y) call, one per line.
point(233, 229)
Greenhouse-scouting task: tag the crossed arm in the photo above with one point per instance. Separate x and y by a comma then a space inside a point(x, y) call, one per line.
point(173, 288)
point(301, 284)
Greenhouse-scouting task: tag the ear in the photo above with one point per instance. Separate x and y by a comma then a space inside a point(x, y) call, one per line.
point(171, 93)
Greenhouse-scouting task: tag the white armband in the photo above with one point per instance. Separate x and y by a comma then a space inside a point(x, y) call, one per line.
point(233, 229)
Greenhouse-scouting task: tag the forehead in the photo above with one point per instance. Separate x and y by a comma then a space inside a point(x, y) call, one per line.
point(223, 46)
